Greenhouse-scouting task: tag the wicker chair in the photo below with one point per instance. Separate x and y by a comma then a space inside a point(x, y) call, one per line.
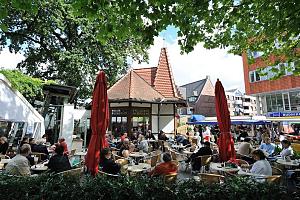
point(170, 178)
point(71, 172)
point(107, 174)
point(276, 171)
point(211, 178)
point(273, 179)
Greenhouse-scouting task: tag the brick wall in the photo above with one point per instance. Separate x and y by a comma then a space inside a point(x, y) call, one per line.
point(284, 83)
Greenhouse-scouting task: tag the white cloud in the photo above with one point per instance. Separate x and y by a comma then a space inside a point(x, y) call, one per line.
point(216, 63)
point(10, 60)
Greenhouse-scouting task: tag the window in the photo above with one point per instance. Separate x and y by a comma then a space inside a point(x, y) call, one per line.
point(192, 99)
point(252, 76)
point(295, 101)
point(257, 76)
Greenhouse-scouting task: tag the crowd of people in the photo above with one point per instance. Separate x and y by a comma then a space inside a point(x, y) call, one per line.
point(21, 161)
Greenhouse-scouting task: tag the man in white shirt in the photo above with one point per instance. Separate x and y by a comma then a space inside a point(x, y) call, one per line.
point(19, 165)
point(261, 166)
point(286, 148)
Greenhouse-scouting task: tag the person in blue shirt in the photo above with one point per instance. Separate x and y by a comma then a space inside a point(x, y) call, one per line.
point(268, 146)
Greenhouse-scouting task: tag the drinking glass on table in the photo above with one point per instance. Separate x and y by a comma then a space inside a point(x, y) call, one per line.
point(35, 159)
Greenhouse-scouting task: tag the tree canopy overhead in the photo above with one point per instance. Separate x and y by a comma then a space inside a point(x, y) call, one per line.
point(60, 46)
point(269, 26)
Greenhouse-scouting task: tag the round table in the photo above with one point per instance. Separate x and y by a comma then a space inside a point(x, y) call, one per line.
point(141, 167)
point(188, 153)
point(4, 160)
point(137, 156)
point(292, 163)
point(39, 168)
point(218, 167)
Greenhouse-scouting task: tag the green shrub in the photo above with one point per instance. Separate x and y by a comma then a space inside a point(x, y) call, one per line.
point(56, 187)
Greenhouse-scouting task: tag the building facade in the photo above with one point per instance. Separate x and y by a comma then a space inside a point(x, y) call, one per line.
point(200, 98)
point(145, 99)
point(275, 96)
point(240, 104)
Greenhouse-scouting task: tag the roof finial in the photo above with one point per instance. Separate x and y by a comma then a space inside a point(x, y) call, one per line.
point(164, 41)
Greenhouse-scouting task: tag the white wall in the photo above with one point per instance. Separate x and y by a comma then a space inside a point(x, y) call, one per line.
point(67, 124)
point(167, 109)
point(155, 109)
point(119, 104)
point(154, 124)
point(167, 124)
point(141, 105)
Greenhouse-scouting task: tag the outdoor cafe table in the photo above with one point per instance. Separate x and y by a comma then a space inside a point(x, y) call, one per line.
point(218, 167)
point(291, 163)
point(137, 155)
point(141, 167)
point(39, 168)
point(80, 154)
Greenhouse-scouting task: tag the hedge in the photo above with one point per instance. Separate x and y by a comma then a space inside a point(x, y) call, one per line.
point(138, 188)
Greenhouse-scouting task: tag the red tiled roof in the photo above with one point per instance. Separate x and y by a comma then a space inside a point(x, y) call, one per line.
point(133, 87)
point(148, 74)
point(164, 82)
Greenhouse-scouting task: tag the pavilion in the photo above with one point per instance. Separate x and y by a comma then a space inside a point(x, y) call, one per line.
point(145, 99)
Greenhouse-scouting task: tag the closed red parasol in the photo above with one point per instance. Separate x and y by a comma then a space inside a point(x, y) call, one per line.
point(99, 123)
point(225, 141)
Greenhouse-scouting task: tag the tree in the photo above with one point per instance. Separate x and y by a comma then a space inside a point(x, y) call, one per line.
point(60, 46)
point(270, 26)
point(30, 88)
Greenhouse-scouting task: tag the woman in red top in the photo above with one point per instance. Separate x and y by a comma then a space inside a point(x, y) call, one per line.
point(165, 168)
point(63, 143)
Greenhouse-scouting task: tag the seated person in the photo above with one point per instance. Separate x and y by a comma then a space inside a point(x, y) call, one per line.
point(63, 143)
point(261, 166)
point(19, 165)
point(268, 147)
point(203, 151)
point(143, 144)
point(180, 138)
point(32, 144)
point(24, 141)
point(124, 146)
point(123, 136)
point(245, 148)
point(107, 164)
point(149, 135)
point(286, 148)
point(3, 145)
point(59, 162)
point(166, 167)
point(134, 137)
point(162, 136)
point(41, 148)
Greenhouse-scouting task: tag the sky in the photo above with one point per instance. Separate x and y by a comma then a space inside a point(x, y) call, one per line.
point(186, 68)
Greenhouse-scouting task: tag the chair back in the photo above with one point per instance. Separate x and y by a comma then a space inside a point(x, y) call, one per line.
point(72, 153)
point(170, 178)
point(153, 160)
point(37, 154)
point(211, 178)
point(276, 171)
point(274, 179)
point(107, 174)
point(71, 172)
point(205, 160)
point(296, 147)
point(195, 141)
point(173, 155)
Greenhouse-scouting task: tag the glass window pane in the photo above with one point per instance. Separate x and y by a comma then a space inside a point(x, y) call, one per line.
point(286, 101)
point(295, 100)
point(269, 104)
point(279, 102)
